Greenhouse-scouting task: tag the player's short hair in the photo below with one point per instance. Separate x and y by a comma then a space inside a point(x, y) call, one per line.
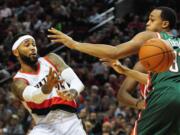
point(168, 14)
point(16, 37)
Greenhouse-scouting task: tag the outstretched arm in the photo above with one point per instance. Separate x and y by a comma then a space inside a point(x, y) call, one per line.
point(102, 50)
point(134, 74)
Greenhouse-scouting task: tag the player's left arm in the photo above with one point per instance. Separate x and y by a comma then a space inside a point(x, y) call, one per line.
point(118, 67)
point(102, 50)
point(68, 75)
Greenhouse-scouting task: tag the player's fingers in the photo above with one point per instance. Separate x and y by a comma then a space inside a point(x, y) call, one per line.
point(55, 82)
point(60, 81)
point(69, 99)
point(54, 78)
point(64, 92)
point(54, 31)
point(50, 73)
point(104, 59)
point(63, 41)
point(107, 63)
point(57, 41)
point(58, 34)
point(54, 75)
point(69, 96)
point(60, 93)
point(54, 36)
point(64, 96)
point(110, 61)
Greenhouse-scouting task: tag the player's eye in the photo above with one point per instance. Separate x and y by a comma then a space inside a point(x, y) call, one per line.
point(152, 20)
point(26, 44)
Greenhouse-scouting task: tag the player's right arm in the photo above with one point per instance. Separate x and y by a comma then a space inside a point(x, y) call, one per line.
point(127, 87)
point(102, 50)
point(30, 93)
point(130, 83)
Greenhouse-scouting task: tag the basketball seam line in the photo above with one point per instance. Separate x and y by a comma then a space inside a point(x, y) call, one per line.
point(159, 63)
point(164, 52)
point(154, 46)
point(155, 55)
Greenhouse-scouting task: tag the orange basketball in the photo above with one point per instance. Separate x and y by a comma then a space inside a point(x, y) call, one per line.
point(156, 55)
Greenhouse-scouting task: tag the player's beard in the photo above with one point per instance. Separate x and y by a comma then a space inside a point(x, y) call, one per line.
point(28, 60)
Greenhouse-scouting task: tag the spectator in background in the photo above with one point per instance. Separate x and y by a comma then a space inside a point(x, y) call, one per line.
point(14, 127)
point(107, 128)
point(5, 11)
point(89, 127)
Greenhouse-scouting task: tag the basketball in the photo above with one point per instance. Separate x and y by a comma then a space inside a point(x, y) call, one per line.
point(156, 55)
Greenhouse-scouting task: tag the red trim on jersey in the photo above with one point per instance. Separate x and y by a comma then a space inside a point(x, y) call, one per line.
point(50, 62)
point(148, 85)
point(32, 73)
point(142, 88)
point(145, 89)
point(22, 79)
point(134, 131)
point(159, 35)
point(50, 102)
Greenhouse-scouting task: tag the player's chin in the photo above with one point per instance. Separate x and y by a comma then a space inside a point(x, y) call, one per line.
point(151, 29)
point(148, 29)
point(34, 59)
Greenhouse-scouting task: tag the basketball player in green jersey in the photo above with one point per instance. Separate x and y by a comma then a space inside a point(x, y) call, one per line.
point(162, 91)
point(161, 116)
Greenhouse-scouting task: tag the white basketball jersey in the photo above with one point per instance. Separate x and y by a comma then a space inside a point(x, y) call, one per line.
point(43, 111)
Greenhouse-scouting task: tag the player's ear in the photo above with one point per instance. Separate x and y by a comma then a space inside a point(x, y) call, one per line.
point(165, 24)
point(15, 52)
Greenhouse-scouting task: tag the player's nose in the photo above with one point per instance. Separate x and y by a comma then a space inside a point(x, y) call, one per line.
point(148, 23)
point(32, 49)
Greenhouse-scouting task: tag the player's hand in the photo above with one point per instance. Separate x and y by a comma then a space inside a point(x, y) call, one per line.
point(59, 37)
point(141, 104)
point(115, 64)
point(68, 94)
point(52, 81)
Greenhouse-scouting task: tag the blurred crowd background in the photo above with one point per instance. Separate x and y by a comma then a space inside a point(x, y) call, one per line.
point(98, 105)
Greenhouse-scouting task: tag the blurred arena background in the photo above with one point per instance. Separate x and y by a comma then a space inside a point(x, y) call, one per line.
point(95, 21)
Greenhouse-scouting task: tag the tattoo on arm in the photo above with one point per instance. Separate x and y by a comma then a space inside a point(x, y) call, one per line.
point(18, 87)
point(57, 61)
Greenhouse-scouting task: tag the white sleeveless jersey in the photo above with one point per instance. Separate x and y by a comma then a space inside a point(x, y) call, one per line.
point(44, 111)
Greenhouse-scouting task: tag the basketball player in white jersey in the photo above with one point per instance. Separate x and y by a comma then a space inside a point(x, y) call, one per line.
point(47, 88)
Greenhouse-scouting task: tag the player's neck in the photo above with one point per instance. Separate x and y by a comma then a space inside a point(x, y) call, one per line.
point(29, 68)
point(167, 31)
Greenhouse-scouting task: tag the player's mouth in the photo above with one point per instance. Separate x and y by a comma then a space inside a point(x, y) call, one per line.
point(33, 54)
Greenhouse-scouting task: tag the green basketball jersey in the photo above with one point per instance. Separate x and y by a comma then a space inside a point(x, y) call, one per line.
point(173, 75)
